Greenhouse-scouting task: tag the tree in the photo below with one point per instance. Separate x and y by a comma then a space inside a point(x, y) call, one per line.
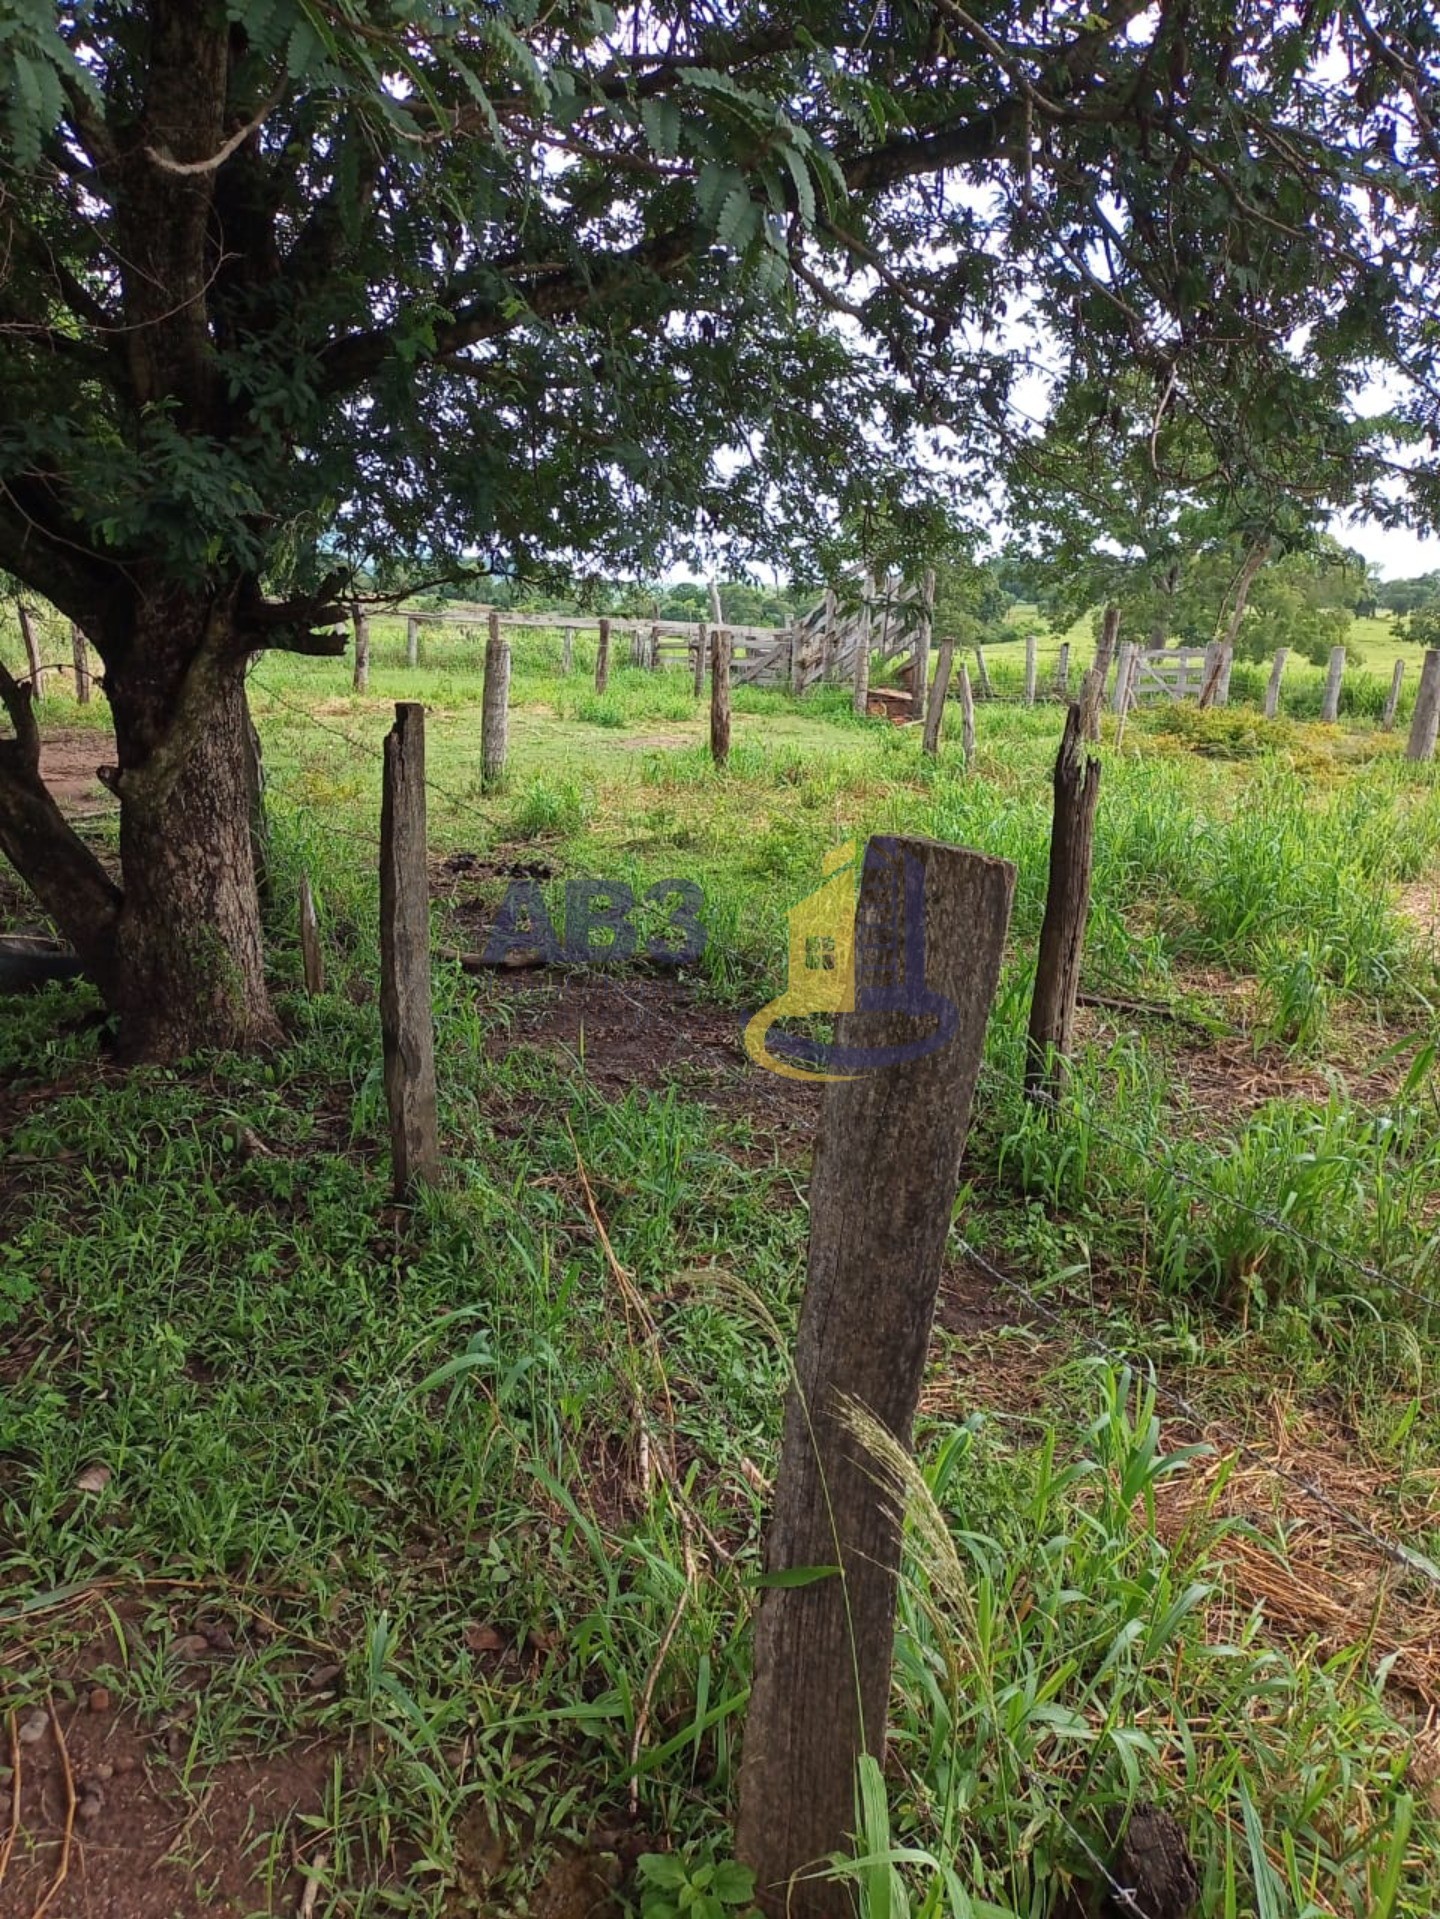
point(1131, 498)
point(1422, 625)
point(292, 289)
point(1404, 596)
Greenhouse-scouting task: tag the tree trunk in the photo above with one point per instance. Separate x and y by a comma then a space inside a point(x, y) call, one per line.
point(54, 862)
point(190, 967)
point(1244, 580)
point(1092, 690)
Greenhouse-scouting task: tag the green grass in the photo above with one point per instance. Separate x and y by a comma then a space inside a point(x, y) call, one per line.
point(408, 1445)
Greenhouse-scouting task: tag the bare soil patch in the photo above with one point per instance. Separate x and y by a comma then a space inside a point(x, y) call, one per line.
point(649, 1029)
point(67, 765)
point(135, 1841)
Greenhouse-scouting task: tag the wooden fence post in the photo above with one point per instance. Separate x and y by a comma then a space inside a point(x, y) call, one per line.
point(412, 640)
point(823, 1645)
point(794, 638)
point(1092, 689)
point(1067, 904)
point(967, 719)
point(935, 711)
point(1210, 673)
point(1425, 722)
point(1029, 669)
point(1227, 664)
point(360, 619)
point(923, 626)
point(1272, 686)
point(80, 656)
point(406, 1026)
point(987, 692)
point(654, 660)
point(495, 709)
point(312, 953)
point(1392, 698)
point(860, 698)
point(32, 650)
point(702, 654)
point(828, 648)
point(1330, 704)
point(1062, 670)
point(720, 696)
point(1128, 697)
point(1122, 676)
point(602, 658)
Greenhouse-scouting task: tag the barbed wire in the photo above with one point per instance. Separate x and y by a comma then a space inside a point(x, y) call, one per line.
point(371, 751)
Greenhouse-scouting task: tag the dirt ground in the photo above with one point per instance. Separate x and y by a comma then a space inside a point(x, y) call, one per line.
point(67, 765)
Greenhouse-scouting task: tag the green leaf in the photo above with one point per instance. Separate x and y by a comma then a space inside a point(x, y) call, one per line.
point(792, 1576)
point(661, 120)
point(734, 1884)
point(663, 1869)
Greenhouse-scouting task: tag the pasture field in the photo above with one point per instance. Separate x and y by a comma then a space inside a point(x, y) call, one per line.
point(413, 1552)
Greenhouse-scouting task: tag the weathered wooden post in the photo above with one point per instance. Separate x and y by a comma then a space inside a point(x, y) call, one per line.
point(793, 638)
point(1330, 704)
point(967, 719)
point(360, 620)
point(1029, 669)
point(312, 953)
point(923, 628)
point(80, 658)
point(1092, 689)
point(654, 660)
point(406, 1028)
point(1425, 722)
point(602, 658)
point(828, 647)
point(824, 1644)
point(1272, 685)
point(860, 697)
point(1122, 676)
point(495, 709)
point(1227, 664)
point(1062, 670)
point(412, 640)
point(939, 692)
point(32, 649)
point(1128, 697)
point(1067, 905)
point(720, 696)
point(987, 692)
point(702, 654)
point(1392, 698)
point(1210, 674)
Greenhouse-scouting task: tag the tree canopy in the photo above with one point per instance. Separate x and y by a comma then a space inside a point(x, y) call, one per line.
point(295, 287)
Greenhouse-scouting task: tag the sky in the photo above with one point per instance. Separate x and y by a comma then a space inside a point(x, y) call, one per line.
point(1399, 554)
